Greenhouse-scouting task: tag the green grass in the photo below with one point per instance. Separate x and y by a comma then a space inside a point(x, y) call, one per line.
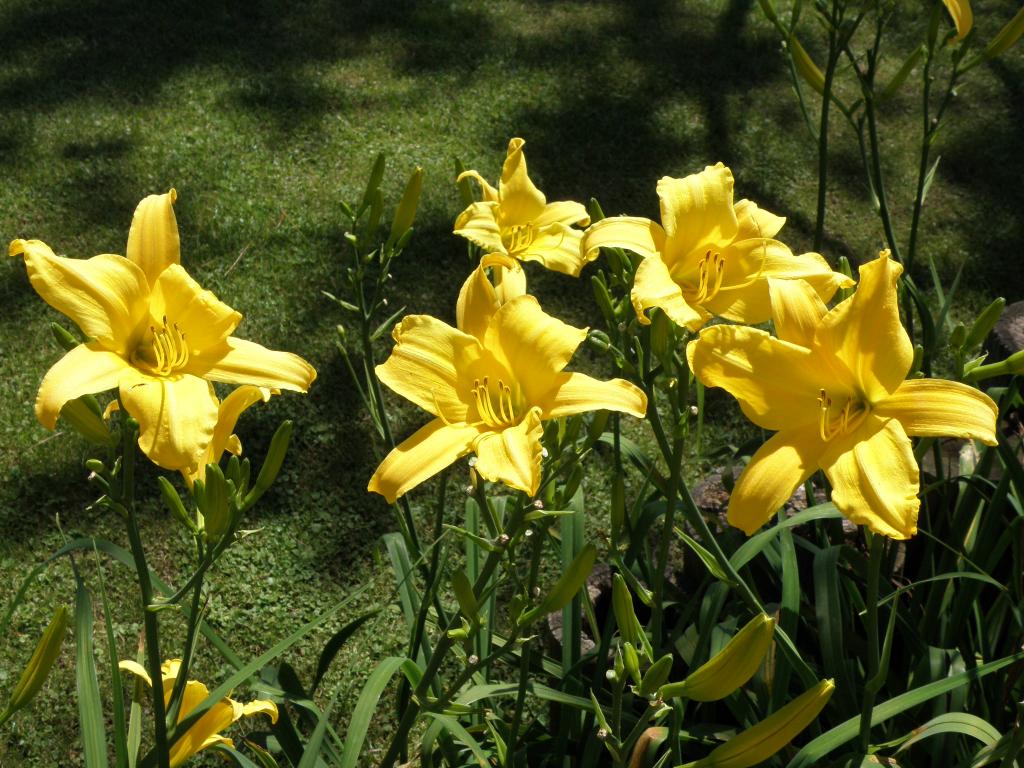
point(265, 115)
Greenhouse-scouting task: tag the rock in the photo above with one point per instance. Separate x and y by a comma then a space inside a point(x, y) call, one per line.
point(1007, 335)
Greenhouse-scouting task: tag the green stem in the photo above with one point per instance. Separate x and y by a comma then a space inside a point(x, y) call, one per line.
point(875, 557)
point(194, 618)
point(826, 101)
point(524, 662)
point(150, 621)
point(444, 644)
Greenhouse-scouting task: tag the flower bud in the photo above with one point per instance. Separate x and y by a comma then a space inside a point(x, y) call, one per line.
point(39, 665)
point(731, 667)
point(406, 211)
point(1006, 37)
point(759, 742)
point(85, 421)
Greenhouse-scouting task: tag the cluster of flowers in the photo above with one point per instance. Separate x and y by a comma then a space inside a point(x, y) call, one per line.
point(832, 383)
point(160, 339)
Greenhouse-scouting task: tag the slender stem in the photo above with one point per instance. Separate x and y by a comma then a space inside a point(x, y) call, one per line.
point(150, 621)
point(922, 167)
point(194, 618)
point(696, 519)
point(875, 557)
point(826, 102)
point(444, 644)
point(524, 662)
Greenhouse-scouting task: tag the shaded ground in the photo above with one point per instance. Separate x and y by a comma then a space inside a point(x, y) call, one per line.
point(264, 115)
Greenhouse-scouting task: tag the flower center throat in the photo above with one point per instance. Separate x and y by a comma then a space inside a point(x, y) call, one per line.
point(163, 351)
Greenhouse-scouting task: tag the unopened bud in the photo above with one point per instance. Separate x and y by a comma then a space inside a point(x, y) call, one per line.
point(473, 660)
point(602, 734)
point(538, 504)
point(502, 540)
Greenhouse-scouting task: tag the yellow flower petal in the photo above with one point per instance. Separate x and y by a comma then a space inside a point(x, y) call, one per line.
point(204, 319)
point(85, 370)
point(698, 209)
point(428, 361)
point(230, 409)
point(261, 707)
point(237, 361)
point(797, 310)
point(756, 222)
point(653, 286)
point(478, 299)
point(127, 665)
point(775, 381)
point(203, 732)
point(521, 201)
point(490, 193)
point(557, 247)
point(153, 242)
point(748, 266)
point(577, 393)
point(866, 334)
point(633, 233)
point(810, 267)
point(479, 224)
point(532, 345)
point(938, 408)
point(513, 455)
point(421, 456)
point(773, 474)
point(565, 212)
point(509, 282)
point(105, 296)
point(874, 477)
point(963, 16)
point(176, 417)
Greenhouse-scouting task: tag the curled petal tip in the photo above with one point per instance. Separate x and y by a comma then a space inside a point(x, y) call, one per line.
point(16, 248)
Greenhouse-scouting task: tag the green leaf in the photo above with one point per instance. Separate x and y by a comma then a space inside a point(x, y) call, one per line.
point(566, 587)
point(332, 646)
point(813, 752)
point(458, 732)
point(954, 722)
point(365, 706)
point(756, 543)
point(706, 557)
point(90, 705)
point(464, 594)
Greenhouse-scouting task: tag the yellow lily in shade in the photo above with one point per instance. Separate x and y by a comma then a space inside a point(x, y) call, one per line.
point(963, 16)
point(515, 219)
point(833, 385)
point(154, 334)
point(205, 732)
point(708, 256)
point(489, 384)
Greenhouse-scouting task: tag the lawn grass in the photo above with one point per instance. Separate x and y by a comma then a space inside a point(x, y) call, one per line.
point(265, 115)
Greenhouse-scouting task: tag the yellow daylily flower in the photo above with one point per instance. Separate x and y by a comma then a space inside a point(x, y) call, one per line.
point(154, 334)
point(489, 384)
point(205, 732)
point(516, 219)
point(833, 387)
point(224, 439)
point(963, 16)
point(708, 256)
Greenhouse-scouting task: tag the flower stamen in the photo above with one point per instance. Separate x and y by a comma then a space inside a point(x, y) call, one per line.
point(494, 409)
point(849, 417)
point(520, 237)
point(711, 273)
point(166, 353)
